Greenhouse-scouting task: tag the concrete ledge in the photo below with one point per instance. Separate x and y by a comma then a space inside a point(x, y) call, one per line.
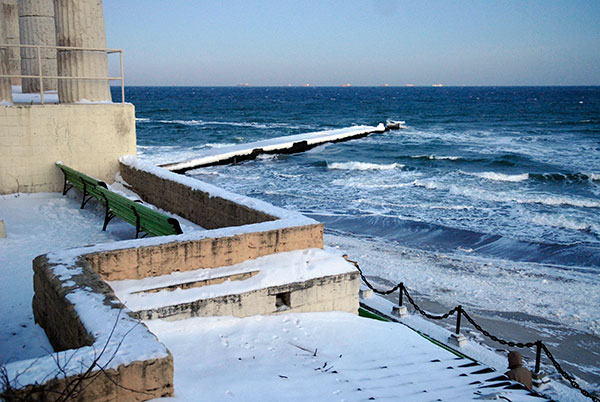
point(91, 328)
point(296, 281)
point(331, 293)
point(142, 258)
point(189, 202)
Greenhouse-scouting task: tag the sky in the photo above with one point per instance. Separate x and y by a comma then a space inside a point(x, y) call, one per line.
point(360, 42)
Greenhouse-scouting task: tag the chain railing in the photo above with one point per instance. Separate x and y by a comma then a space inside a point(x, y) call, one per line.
point(540, 346)
point(41, 77)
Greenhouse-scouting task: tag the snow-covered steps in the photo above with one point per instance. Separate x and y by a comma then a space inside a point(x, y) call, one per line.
point(321, 357)
point(287, 144)
point(296, 281)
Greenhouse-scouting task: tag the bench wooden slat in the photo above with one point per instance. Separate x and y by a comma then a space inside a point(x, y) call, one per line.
point(148, 220)
point(145, 219)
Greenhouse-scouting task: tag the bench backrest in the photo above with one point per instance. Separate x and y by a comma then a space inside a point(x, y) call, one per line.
point(145, 219)
point(79, 180)
point(150, 221)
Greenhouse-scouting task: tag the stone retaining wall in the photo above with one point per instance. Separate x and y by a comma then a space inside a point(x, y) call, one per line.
point(208, 211)
point(87, 324)
point(186, 255)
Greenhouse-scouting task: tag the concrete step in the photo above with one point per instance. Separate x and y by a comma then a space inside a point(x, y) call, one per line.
point(308, 280)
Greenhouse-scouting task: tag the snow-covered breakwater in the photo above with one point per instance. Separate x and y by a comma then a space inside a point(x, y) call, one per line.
point(286, 144)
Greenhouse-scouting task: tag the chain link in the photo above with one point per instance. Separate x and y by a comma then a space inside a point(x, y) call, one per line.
point(495, 338)
point(478, 327)
point(568, 376)
point(425, 313)
point(366, 281)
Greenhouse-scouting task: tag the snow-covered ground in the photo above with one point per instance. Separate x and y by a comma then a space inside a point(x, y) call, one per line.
point(35, 98)
point(37, 224)
point(317, 356)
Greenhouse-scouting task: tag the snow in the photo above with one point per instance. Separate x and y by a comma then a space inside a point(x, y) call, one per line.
point(48, 223)
point(274, 270)
point(35, 98)
point(290, 218)
point(273, 144)
point(227, 358)
point(481, 353)
point(36, 224)
point(315, 357)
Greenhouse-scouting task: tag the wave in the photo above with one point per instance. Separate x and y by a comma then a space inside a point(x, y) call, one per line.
point(479, 193)
point(563, 222)
point(543, 177)
point(142, 119)
point(436, 157)
point(594, 176)
point(503, 177)
point(218, 145)
point(363, 166)
point(251, 124)
point(413, 233)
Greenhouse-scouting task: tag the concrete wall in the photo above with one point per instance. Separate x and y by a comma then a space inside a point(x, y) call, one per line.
point(161, 259)
point(137, 367)
point(86, 137)
point(329, 293)
point(197, 206)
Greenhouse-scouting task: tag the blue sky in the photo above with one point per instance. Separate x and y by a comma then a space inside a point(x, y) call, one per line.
point(361, 42)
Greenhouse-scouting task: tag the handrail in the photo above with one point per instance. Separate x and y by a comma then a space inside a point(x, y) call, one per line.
point(41, 75)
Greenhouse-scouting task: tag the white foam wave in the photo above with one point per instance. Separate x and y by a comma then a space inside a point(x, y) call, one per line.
point(564, 222)
point(436, 157)
point(228, 123)
point(266, 156)
point(503, 177)
point(217, 145)
point(479, 193)
point(142, 119)
point(594, 176)
point(363, 166)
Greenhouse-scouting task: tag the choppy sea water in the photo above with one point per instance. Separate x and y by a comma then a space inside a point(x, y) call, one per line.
point(490, 198)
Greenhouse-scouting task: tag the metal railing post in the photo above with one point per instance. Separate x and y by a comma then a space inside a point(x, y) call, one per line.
point(39, 60)
point(122, 78)
point(458, 316)
point(539, 378)
point(400, 292)
point(40, 76)
point(538, 355)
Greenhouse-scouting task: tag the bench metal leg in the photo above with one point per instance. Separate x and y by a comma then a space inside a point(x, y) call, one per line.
point(66, 187)
point(138, 227)
point(107, 215)
point(85, 200)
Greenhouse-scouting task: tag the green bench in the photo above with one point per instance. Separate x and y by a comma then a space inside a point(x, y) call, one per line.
point(86, 184)
point(144, 219)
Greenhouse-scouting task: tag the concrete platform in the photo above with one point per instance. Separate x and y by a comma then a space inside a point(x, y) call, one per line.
point(298, 281)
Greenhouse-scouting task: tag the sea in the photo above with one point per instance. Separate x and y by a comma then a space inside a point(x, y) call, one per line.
point(488, 198)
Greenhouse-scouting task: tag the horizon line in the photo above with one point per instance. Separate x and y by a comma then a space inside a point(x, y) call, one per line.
point(437, 86)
